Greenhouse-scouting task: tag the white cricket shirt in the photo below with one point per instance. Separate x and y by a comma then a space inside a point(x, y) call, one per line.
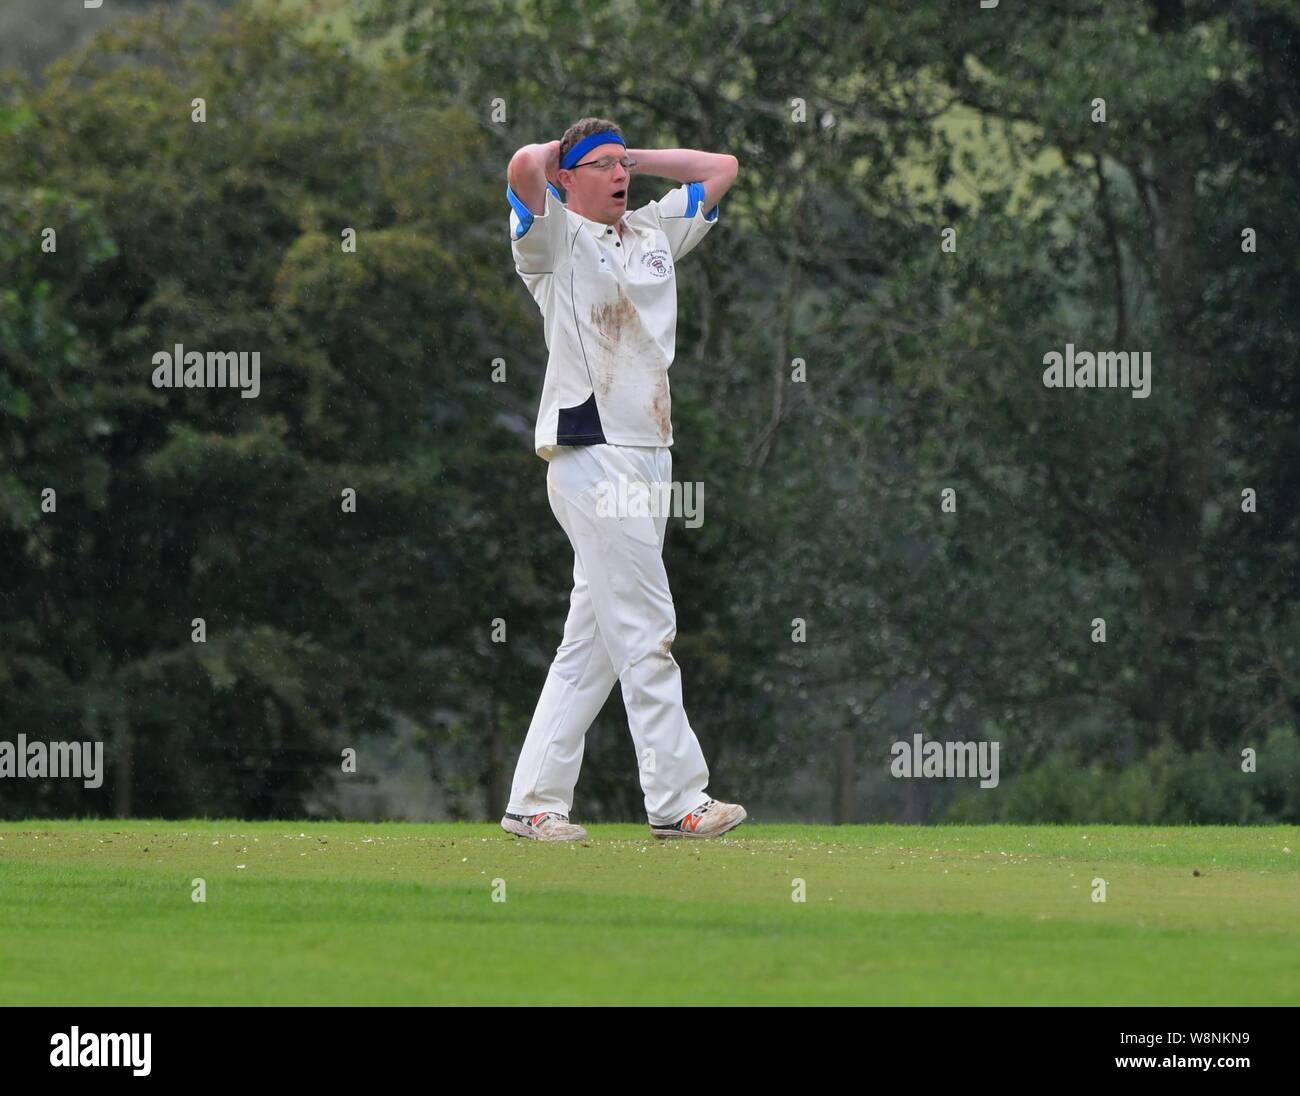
point(609, 308)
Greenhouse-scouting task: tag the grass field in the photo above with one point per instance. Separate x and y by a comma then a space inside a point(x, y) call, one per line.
point(331, 913)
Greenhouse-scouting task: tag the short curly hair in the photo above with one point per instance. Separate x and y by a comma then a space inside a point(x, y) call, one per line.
point(584, 127)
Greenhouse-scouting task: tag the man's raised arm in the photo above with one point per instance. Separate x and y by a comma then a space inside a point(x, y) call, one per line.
point(529, 171)
point(716, 170)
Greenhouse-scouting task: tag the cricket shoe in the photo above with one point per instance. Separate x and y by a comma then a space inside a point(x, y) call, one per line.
point(709, 819)
point(545, 826)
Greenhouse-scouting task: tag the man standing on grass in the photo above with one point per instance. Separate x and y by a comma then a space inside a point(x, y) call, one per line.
point(605, 282)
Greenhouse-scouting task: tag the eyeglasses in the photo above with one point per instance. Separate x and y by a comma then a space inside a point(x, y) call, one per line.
point(606, 163)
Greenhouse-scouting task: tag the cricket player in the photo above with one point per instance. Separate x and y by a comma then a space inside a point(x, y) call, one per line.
point(604, 279)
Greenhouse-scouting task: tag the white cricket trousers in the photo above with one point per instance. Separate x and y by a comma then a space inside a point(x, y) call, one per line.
point(620, 627)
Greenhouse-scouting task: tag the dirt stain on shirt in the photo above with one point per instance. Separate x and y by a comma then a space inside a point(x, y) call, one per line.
point(614, 321)
point(661, 407)
point(625, 343)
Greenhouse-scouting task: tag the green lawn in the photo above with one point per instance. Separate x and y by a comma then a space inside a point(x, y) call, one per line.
point(329, 913)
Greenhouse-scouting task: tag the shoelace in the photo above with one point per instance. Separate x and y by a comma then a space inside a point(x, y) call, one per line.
point(702, 809)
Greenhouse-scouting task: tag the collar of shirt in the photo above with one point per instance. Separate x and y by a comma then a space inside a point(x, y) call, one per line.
point(599, 229)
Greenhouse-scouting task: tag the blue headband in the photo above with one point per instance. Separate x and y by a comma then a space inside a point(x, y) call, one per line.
point(593, 140)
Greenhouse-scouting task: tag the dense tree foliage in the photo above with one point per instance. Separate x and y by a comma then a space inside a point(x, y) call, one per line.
point(927, 206)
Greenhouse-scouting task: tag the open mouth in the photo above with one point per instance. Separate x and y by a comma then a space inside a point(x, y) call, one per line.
point(621, 195)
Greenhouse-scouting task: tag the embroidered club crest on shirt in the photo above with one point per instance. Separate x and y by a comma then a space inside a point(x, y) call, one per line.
point(657, 261)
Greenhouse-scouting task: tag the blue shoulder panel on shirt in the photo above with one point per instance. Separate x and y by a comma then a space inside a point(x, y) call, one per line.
point(524, 214)
point(695, 198)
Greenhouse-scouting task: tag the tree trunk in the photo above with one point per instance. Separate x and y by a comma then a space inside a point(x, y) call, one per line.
point(494, 777)
point(845, 779)
point(123, 778)
point(1171, 554)
point(916, 802)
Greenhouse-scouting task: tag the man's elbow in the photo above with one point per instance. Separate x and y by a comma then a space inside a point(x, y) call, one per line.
point(528, 162)
point(717, 185)
point(520, 164)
